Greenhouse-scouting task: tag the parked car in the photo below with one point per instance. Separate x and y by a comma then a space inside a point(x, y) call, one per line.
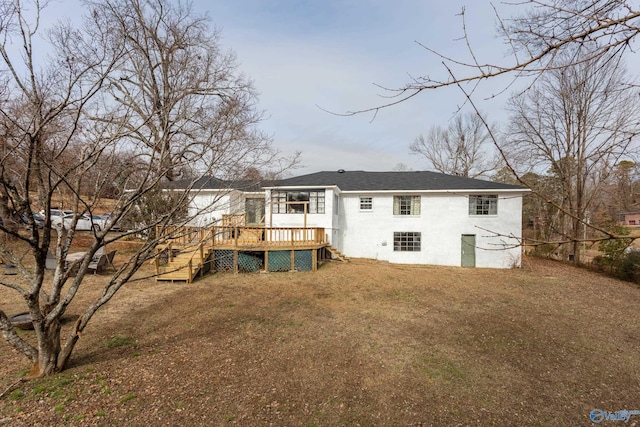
point(55, 213)
point(37, 219)
point(108, 219)
point(85, 222)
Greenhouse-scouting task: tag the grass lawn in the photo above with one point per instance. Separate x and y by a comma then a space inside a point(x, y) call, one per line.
point(359, 343)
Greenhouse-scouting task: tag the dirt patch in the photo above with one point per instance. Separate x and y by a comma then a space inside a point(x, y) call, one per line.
point(361, 343)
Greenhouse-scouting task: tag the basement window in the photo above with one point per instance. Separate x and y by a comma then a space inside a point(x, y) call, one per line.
point(406, 241)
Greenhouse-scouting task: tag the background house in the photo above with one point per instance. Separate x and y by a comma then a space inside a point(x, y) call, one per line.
point(401, 217)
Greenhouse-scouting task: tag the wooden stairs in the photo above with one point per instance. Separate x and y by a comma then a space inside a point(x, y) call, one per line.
point(185, 265)
point(337, 254)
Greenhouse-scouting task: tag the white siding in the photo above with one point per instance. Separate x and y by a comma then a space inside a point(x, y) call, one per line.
point(211, 205)
point(443, 219)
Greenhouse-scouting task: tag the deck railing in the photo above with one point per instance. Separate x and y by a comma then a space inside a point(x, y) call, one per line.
point(238, 236)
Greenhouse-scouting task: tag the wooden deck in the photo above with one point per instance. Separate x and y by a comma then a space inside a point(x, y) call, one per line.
point(190, 251)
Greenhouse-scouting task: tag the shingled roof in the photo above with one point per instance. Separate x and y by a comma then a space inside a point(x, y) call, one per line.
point(393, 181)
point(356, 181)
point(212, 183)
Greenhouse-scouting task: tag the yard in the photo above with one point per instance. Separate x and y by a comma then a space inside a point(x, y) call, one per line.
point(361, 343)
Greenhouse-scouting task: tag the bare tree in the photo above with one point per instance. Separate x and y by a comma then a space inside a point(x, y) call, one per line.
point(145, 78)
point(541, 35)
point(463, 148)
point(576, 123)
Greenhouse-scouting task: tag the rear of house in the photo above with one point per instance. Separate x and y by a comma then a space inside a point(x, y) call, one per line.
point(406, 217)
point(401, 217)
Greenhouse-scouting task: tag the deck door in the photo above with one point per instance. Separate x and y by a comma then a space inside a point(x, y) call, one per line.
point(468, 250)
point(254, 211)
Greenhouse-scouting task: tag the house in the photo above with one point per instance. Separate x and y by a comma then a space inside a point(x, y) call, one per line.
point(411, 217)
point(631, 219)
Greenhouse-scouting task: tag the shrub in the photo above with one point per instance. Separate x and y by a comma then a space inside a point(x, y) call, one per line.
point(628, 267)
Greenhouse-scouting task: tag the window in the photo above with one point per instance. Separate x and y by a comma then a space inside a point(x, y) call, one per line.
point(483, 205)
point(295, 201)
point(406, 205)
point(366, 203)
point(406, 241)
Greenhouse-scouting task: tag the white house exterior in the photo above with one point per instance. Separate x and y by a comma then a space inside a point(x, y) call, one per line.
point(399, 217)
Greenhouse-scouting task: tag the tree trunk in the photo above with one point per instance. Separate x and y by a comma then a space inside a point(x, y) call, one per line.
point(48, 350)
point(5, 212)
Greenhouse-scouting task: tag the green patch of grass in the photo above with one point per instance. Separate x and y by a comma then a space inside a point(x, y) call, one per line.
point(16, 394)
point(40, 389)
point(65, 381)
point(293, 324)
point(100, 414)
point(442, 368)
point(286, 303)
point(53, 386)
point(104, 386)
point(128, 397)
point(230, 418)
point(59, 407)
point(102, 382)
point(400, 295)
point(79, 417)
point(120, 341)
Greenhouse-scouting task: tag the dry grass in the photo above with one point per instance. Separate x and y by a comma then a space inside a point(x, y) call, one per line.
point(362, 343)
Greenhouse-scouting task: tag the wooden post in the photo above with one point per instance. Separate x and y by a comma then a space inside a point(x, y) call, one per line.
point(201, 259)
point(293, 260)
point(270, 212)
point(314, 259)
point(235, 262)
point(236, 231)
point(266, 261)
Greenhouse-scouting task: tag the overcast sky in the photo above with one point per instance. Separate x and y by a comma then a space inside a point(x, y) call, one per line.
point(303, 55)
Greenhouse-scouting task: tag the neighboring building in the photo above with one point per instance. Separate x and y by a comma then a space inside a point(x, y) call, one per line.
point(400, 217)
point(631, 219)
